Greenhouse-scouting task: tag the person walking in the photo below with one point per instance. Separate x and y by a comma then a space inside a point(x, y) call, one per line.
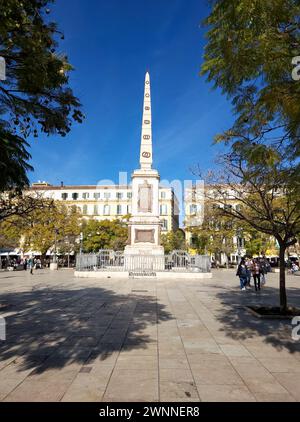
point(264, 269)
point(30, 265)
point(242, 273)
point(248, 266)
point(256, 273)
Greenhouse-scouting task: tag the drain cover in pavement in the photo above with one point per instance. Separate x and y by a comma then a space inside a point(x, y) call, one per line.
point(139, 291)
point(85, 369)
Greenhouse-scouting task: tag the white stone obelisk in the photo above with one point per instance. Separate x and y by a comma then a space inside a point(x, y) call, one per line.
point(144, 225)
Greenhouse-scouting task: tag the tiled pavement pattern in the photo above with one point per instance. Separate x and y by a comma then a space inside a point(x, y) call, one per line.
point(143, 340)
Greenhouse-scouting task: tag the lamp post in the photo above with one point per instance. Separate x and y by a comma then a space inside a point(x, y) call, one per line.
point(55, 242)
point(239, 238)
point(54, 265)
point(81, 240)
point(80, 250)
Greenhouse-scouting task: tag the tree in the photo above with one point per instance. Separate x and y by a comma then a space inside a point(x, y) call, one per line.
point(18, 204)
point(35, 97)
point(249, 55)
point(104, 234)
point(257, 243)
point(216, 232)
point(41, 228)
point(173, 241)
point(267, 203)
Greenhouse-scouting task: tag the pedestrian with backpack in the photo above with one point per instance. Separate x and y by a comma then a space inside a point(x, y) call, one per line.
point(242, 274)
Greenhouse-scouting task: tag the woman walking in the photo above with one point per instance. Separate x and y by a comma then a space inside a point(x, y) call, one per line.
point(256, 272)
point(242, 273)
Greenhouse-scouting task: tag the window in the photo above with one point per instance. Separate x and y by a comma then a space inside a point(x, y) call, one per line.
point(193, 241)
point(129, 195)
point(165, 224)
point(96, 195)
point(119, 209)
point(74, 196)
point(96, 211)
point(193, 209)
point(163, 195)
point(106, 195)
point(64, 196)
point(106, 210)
point(119, 195)
point(85, 195)
point(163, 209)
point(84, 210)
point(128, 209)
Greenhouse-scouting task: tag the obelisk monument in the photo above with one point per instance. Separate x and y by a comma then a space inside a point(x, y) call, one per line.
point(144, 225)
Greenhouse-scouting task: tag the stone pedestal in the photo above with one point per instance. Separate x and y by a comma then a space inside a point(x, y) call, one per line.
point(53, 266)
point(144, 251)
point(144, 258)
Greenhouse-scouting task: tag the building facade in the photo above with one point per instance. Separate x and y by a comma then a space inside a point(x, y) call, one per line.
point(194, 202)
point(109, 202)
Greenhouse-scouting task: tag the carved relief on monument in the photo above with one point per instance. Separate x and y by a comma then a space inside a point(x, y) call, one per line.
point(145, 197)
point(144, 236)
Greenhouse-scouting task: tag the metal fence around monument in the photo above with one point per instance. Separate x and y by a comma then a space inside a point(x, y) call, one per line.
point(109, 260)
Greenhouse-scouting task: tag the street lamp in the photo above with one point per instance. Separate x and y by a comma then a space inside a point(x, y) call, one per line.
point(55, 241)
point(81, 240)
point(239, 235)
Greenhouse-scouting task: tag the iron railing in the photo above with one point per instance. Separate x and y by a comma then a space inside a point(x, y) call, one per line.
point(109, 260)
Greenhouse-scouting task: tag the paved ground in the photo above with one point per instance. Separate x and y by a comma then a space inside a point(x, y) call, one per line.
point(142, 340)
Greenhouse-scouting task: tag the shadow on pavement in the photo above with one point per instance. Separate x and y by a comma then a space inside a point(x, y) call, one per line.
point(240, 325)
point(50, 328)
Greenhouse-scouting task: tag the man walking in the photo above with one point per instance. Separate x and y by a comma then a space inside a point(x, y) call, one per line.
point(30, 264)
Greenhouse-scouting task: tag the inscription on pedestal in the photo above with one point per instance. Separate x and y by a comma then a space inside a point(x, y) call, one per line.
point(145, 198)
point(144, 236)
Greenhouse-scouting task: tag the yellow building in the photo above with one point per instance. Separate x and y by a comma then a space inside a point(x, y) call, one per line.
point(109, 202)
point(194, 201)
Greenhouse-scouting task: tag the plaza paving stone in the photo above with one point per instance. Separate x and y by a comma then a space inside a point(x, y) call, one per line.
point(71, 339)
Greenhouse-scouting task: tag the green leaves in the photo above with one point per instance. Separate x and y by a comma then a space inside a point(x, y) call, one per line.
point(38, 228)
point(248, 55)
point(35, 99)
point(173, 241)
point(13, 161)
point(104, 234)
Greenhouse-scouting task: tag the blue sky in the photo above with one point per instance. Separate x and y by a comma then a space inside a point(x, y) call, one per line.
point(111, 44)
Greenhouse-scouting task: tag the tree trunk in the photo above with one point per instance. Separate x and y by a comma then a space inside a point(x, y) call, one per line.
point(68, 259)
point(43, 259)
point(282, 288)
point(227, 262)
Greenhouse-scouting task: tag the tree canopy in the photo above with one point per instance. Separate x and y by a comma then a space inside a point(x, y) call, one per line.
point(265, 202)
point(104, 234)
point(173, 241)
point(35, 98)
point(249, 52)
point(39, 229)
